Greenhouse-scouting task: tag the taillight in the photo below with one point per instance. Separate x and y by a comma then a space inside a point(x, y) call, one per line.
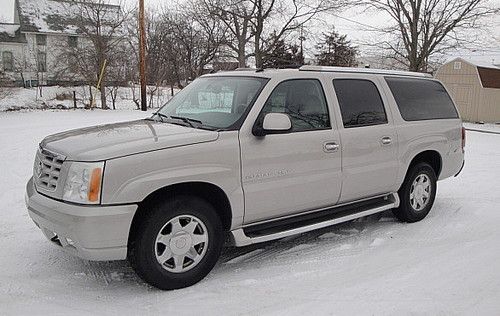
point(463, 138)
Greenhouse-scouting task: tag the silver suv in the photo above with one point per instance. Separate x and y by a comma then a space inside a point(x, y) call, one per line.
point(253, 154)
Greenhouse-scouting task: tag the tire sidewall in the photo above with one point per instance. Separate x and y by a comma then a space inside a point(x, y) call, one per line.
point(148, 267)
point(406, 212)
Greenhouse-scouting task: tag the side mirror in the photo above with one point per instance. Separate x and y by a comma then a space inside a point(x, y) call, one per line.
point(273, 123)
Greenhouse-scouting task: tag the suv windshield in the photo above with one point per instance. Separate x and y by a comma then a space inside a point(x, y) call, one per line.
point(213, 102)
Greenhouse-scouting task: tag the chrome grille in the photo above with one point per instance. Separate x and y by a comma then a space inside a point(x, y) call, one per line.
point(47, 170)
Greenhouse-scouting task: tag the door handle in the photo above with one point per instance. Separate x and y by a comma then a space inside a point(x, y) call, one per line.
point(331, 147)
point(386, 140)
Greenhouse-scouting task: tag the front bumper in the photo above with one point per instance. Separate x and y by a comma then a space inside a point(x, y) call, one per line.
point(96, 232)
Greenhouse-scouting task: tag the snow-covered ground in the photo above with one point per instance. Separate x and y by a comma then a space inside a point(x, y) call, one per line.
point(56, 97)
point(448, 263)
point(487, 127)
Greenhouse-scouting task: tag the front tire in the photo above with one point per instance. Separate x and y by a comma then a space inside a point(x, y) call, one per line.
point(417, 193)
point(177, 242)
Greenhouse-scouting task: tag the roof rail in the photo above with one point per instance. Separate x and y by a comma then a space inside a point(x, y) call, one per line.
point(245, 69)
point(364, 71)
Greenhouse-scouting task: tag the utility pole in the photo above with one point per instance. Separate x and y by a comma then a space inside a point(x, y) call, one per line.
point(142, 56)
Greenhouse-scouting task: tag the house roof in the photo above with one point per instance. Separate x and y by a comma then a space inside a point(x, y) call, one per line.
point(50, 16)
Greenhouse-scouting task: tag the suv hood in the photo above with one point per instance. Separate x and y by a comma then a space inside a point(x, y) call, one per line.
point(120, 139)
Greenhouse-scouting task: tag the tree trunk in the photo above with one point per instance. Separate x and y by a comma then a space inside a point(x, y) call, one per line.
point(258, 52)
point(242, 63)
point(103, 93)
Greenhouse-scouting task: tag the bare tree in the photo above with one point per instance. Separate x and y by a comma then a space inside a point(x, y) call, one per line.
point(423, 28)
point(236, 16)
point(264, 23)
point(101, 25)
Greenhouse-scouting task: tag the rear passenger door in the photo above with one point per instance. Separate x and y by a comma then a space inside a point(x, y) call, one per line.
point(369, 140)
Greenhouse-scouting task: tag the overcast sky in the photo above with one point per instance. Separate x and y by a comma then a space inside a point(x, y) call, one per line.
point(354, 23)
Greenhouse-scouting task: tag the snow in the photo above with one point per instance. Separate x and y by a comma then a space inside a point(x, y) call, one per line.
point(487, 127)
point(448, 263)
point(49, 16)
point(10, 29)
point(56, 97)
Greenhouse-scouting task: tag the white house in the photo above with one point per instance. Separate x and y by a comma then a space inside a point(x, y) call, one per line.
point(31, 48)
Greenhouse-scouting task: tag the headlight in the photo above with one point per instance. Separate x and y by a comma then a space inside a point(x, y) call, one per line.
point(83, 184)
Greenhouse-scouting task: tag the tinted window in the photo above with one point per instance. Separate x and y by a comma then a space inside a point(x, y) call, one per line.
point(420, 99)
point(360, 102)
point(303, 100)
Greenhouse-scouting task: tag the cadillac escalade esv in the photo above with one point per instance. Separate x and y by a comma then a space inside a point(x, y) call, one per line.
point(255, 155)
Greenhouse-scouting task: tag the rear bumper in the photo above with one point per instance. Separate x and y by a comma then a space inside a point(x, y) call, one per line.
point(88, 232)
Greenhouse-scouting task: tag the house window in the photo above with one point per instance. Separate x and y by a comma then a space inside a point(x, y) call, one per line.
point(72, 41)
point(42, 62)
point(8, 61)
point(457, 65)
point(41, 39)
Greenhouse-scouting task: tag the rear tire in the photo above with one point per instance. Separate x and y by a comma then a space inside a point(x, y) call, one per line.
point(417, 193)
point(177, 242)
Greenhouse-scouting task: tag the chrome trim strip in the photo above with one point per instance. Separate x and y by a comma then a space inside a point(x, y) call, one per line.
point(239, 238)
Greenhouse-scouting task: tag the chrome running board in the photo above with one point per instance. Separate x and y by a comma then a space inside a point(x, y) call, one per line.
point(254, 234)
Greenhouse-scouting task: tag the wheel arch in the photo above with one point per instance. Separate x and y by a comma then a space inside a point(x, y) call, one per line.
point(208, 191)
point(432, 157)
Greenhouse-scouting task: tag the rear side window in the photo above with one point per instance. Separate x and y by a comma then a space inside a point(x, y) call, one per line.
point(360, 102)
point(420, 99)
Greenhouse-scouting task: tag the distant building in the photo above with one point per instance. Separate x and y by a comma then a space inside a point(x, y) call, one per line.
point(31, 47)
point(475, 88)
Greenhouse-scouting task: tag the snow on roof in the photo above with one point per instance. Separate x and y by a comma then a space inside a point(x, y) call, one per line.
point(9, 29)
point(51, 16)
point(9, 33)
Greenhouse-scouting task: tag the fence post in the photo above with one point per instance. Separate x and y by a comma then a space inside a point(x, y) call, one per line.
point(74, 99)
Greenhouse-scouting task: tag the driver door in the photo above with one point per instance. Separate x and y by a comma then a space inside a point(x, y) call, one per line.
point(296, 171)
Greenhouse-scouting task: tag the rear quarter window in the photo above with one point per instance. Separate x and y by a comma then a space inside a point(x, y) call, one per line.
point(421, 99)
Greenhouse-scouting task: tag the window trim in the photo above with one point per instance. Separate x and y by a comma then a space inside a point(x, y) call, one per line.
point(379, 95)
point(423, 119)
point(259, 120)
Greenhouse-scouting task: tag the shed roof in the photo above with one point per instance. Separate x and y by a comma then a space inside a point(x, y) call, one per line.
point(490, 77)
point(489, 74)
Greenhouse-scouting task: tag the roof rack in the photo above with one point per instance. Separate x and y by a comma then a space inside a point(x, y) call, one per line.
point(364, 71)
point(245, 69)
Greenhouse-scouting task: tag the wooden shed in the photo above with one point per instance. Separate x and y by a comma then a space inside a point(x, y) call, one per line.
point(475, 88)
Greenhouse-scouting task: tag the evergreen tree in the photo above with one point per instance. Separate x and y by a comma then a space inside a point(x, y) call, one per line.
point(282, 55)
point(336, 50)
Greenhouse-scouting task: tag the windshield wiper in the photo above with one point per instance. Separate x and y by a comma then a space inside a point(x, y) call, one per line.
point(187, 120)
point(162, 116)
